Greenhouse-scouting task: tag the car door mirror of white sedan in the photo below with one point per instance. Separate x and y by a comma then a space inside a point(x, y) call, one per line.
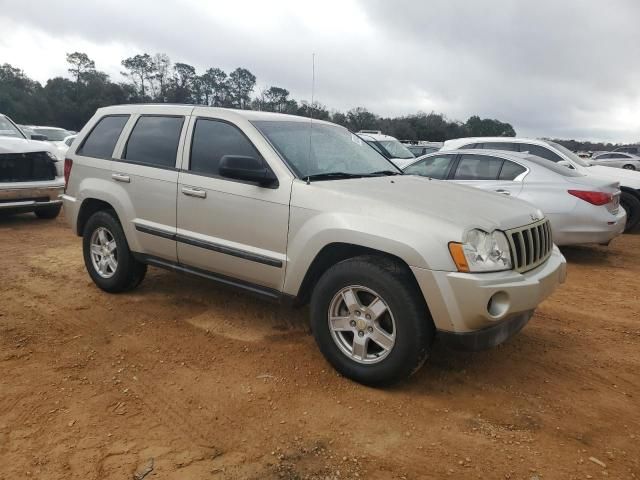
point(564, 163)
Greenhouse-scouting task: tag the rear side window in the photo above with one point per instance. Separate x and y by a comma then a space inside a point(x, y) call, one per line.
point(478, 167)
point(511, 170)
point(103, 138)
point(212, 140)
point(154, 141)
point(508, 146)
point(434, 167)
point(539, 151)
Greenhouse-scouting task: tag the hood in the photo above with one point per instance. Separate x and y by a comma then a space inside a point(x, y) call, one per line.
point(408, 198)
point(20, 145)
point(627, 178)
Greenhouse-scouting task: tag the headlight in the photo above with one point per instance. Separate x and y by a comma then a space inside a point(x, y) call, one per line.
point(52, 156)
point(481, 252)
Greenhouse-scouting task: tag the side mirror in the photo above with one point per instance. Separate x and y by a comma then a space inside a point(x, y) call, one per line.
point(564, 163)
point(248, 169)
point(37, 136)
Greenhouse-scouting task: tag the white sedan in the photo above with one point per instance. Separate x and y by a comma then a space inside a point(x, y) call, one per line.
point(624, 160)
point(581, 209)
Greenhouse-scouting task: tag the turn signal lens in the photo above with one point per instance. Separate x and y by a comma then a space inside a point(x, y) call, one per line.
point(594, 198)
point(68, 163)
point(457, 253)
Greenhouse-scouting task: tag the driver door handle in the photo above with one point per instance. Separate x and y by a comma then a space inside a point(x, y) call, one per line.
point(120, 177)
point(194, 192)
point(503, 191)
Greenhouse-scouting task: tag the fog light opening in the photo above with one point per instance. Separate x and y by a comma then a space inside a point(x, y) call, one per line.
point(498, 304)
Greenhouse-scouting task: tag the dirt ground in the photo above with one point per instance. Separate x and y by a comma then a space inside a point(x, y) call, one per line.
point(201, 382)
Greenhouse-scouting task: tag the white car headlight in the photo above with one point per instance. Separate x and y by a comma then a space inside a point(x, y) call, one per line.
point(482, 252)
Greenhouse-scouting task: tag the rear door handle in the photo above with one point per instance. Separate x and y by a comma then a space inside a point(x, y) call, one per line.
point(120, 177)
point(194, 192)
point(503, 192)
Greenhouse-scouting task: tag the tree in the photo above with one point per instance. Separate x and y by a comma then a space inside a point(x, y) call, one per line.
point(184, 81)
point(140, 69)
point(79, 65)
point(486, 127)
point(360, 118)
point(240, 84)
point(161, 75)
point(214, 87)
point(276, 99)
point(315, 110)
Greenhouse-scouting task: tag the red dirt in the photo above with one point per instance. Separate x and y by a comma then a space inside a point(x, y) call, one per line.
point(210, 383)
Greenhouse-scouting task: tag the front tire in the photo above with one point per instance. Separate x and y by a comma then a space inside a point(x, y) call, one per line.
point(107, 257)
point(631, 204)
point(48, 213)
point(628, 167)
point(370, 320)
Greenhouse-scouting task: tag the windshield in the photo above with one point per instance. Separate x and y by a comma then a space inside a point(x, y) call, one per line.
point(53, 134)
point(8, 129)
point(570, 154)
point(396, 149)
point(317, 149)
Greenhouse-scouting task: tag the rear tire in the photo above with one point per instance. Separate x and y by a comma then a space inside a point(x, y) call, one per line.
point(404, 327)
point(107, 257)
point(631, 204)
point(48, 213)
point(628, 167)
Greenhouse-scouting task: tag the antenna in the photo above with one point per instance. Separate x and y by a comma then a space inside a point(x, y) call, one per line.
point(313, 85)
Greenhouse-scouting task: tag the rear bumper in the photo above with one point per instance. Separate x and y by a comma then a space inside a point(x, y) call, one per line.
point(598, 231)
point(488, 306)
point(31, 195)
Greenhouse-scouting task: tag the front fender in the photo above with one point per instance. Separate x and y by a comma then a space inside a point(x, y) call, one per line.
point(310, 232)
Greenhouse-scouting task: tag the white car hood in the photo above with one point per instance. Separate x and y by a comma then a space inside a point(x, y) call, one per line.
point(20, 145)
point(404, 196)
point(627, 178)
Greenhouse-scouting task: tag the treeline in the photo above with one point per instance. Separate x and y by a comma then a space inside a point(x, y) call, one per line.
point(70, 102)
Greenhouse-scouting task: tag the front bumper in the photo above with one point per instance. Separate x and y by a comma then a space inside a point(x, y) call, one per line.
point(31, 195)
point(488, 306)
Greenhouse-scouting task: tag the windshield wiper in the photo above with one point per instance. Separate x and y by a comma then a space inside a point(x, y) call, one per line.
point(383, 172)
point(332, 176)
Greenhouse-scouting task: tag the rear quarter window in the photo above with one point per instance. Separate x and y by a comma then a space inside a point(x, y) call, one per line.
point(102, 139)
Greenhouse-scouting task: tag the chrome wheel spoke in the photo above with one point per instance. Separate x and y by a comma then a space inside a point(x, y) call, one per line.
point(340, 324)
point(377, 307)
point(360, 347)
point(96, 250)
point(111, 246)
point(382, 338)
point(351, 300)
point(111, 262)
point(102, 237)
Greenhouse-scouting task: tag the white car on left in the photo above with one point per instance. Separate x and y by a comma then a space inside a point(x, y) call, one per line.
point(55, 136)
point(31, 174)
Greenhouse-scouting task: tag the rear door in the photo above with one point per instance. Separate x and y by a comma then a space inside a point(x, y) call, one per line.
point(146, 171)
point(235, 229)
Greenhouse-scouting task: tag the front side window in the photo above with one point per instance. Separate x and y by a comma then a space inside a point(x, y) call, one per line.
point(154, 141)
point(103, 138)
point(478, 167)
point(212, 140)
point(434, 167)
point(320, 149)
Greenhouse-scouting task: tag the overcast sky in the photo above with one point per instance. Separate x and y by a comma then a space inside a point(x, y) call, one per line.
point(568, 69)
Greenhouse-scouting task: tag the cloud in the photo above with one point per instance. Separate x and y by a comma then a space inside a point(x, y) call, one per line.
point(566, 69)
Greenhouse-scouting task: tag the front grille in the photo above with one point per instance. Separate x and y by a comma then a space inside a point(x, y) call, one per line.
point(26, 167)
point(531, 245)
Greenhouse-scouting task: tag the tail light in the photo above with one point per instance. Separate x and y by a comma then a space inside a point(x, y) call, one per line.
point(68, 163)
point(594, 198)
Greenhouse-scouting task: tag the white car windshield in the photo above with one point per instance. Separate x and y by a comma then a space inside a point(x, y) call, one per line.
point(396, 149)
point(52, 134)
point(575, 158)
point(324, 150)
point(8, 129)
